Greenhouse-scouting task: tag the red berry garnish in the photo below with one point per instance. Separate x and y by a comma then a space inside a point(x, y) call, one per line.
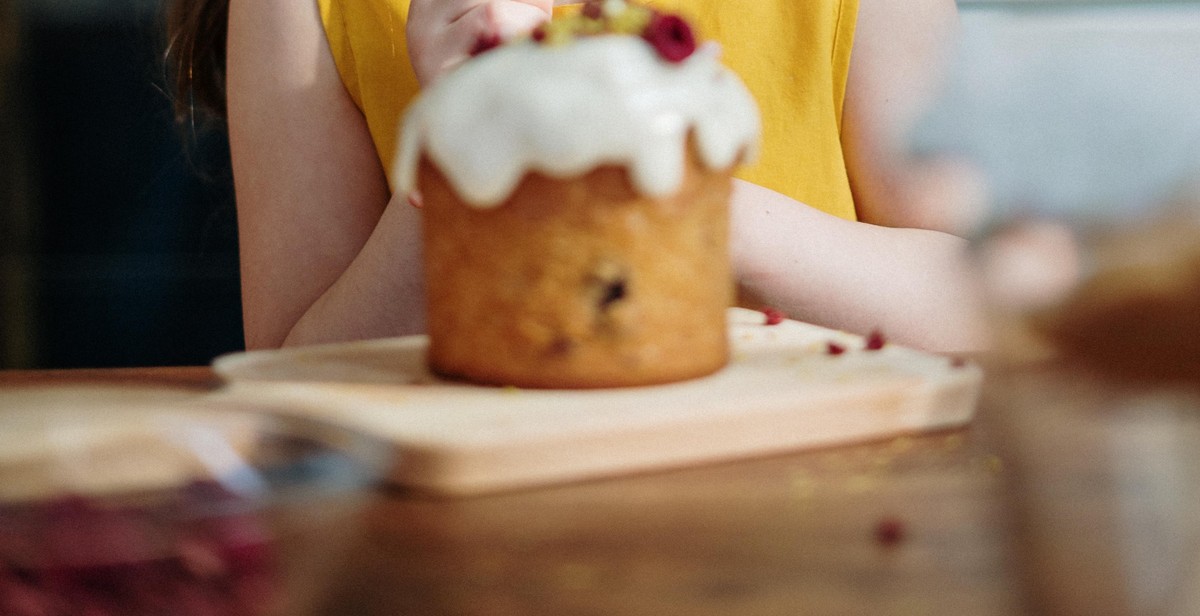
point(774, 316)
point(889, 531)
point(485, 43)
point(833, 348)
point(539, 34)
point(593, 10)
point(670, 36)
point(875, 341)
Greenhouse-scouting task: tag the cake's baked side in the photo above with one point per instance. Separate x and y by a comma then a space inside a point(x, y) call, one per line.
point(579, 283)
point(575, 189)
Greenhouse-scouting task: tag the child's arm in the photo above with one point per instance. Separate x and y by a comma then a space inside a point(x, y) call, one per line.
point(442, 33)
point(902, 50)
point(902, 274)
point(915, 285)
point(323, 258)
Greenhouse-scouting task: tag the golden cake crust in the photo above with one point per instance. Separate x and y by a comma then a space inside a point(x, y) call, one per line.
point(579, 283)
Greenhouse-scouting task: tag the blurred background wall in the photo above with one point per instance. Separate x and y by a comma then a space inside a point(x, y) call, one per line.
point(14, 207)
point(1075, 109)
point(117, 231)
point(119, 242)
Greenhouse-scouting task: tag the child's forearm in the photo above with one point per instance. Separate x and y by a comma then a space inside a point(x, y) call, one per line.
point(380, 294)
point(917, 286)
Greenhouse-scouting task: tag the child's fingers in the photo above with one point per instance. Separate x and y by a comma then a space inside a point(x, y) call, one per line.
point(435, 48)
point(442, 36)
point(436, 40)
point(512, 19)
point(449, 11)
point(546, 6)
point(460, 36)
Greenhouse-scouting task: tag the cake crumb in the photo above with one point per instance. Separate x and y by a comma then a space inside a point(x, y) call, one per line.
point(992, 464)
point(889, 531)
point(578, 576)
point(953, 442)
point(803, 485)
point(774, 316)
point(861, 484)
point(901, 444)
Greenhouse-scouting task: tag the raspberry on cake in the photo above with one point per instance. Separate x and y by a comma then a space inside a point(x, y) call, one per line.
point(575, 188)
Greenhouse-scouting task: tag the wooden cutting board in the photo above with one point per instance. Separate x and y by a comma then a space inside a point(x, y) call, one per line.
point(782, 391)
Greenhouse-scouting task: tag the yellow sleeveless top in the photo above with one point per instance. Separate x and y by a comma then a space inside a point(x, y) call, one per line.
point(793, 56)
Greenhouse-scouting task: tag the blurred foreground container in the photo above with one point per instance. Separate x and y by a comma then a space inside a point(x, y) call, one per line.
point(139, 502)
point(1083, 118)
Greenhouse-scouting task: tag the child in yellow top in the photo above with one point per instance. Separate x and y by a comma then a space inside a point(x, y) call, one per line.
point(801, 154)
point(315, 92)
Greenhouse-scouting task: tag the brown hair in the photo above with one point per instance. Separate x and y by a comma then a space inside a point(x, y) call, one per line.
point(195, 58)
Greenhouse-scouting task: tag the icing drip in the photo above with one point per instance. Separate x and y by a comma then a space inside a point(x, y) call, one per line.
point(564, 110)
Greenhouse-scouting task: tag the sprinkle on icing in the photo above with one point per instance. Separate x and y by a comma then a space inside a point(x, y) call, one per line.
point(669, 34)
point(564, 110)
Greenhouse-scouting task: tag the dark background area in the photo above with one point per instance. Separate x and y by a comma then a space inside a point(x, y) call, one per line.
point(118, 227)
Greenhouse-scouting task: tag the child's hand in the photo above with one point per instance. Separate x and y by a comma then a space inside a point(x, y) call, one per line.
point(443, 33)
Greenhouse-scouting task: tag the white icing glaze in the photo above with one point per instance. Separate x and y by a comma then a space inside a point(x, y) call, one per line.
point(564, 110)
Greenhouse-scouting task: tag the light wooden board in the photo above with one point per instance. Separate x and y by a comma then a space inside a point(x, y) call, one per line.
point(781, 392)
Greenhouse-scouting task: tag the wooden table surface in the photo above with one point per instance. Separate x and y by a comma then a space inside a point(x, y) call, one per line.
point(1066, 495)
point(792, 534)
